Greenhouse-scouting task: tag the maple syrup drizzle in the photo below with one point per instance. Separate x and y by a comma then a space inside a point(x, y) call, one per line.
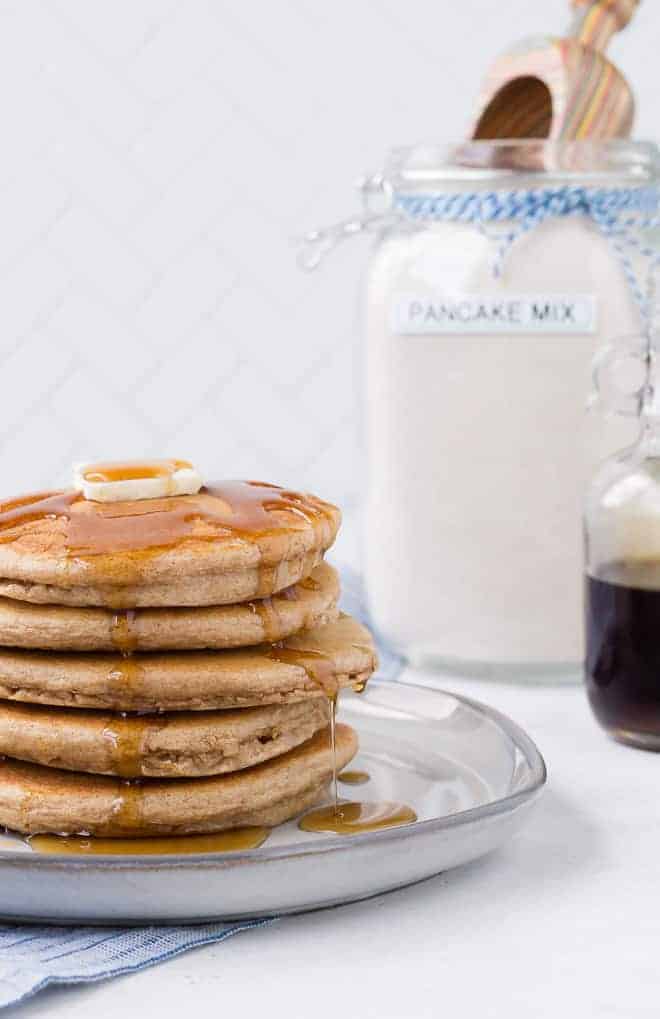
point(339, 818)
point(41, 506)
point(320, 669)
point(236, 840)
point(271, 622)
point(357, 818)
point(333, 748)
point(126, 735)
point(309, 584)
point(354, 777)
point(127, 810)
point(267, 577)
point(242, 509)
point(121, 683)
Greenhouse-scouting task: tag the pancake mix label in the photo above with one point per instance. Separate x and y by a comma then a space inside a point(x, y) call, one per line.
point(419, 314)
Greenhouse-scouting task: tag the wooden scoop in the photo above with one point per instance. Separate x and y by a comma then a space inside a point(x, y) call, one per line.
point(564, 88)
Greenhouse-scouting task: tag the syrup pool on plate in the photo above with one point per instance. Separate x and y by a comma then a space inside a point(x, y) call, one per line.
point(357, 818)
point(237, 840)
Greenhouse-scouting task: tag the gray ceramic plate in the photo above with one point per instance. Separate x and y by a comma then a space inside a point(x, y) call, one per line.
point(470, 774)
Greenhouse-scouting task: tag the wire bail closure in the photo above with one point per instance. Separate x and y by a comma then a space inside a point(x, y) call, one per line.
point(377, 198)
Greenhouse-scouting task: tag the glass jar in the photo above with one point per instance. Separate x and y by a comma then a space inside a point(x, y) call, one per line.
point(622, 555)
point(500, 269)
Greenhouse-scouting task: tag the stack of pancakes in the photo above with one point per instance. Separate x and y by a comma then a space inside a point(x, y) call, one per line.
point(169, 666)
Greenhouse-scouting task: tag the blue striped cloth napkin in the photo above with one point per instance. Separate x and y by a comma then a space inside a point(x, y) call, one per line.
point(32, 957)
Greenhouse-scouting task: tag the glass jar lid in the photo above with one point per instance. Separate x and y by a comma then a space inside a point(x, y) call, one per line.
point(570, 162)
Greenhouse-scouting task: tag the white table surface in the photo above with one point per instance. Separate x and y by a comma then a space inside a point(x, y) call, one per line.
point(563, 922)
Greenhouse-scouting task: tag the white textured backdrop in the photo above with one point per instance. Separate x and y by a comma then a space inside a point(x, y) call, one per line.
point(157, 158)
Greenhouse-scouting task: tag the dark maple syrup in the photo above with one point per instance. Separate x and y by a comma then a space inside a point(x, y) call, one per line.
point(622, 606)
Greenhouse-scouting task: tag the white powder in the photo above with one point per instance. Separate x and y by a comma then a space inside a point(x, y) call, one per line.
point(479, 445)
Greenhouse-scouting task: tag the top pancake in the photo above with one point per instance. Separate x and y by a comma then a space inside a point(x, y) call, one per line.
point(231, 542)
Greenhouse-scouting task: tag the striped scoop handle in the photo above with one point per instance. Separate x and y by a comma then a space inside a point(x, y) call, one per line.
point(598, 20)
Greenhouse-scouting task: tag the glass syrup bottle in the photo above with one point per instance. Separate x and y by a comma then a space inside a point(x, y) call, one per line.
point(622, 542)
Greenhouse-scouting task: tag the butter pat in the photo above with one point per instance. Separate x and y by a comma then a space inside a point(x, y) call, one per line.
point(132, 480)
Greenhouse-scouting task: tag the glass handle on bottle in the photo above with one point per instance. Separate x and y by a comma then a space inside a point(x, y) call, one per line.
point(620, 377)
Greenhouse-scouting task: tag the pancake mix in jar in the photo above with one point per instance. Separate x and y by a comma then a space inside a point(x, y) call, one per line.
point(499, 270)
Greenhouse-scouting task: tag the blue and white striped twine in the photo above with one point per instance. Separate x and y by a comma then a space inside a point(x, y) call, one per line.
point(623, 215)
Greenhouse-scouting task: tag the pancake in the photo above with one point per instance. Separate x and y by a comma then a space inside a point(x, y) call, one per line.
point(339, 654)
point(34, 799)
point(214, 589)
point(231, 542)
point(310, 602)
point(184, 744)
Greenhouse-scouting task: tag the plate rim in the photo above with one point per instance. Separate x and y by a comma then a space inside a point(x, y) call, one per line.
point(161, 861)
